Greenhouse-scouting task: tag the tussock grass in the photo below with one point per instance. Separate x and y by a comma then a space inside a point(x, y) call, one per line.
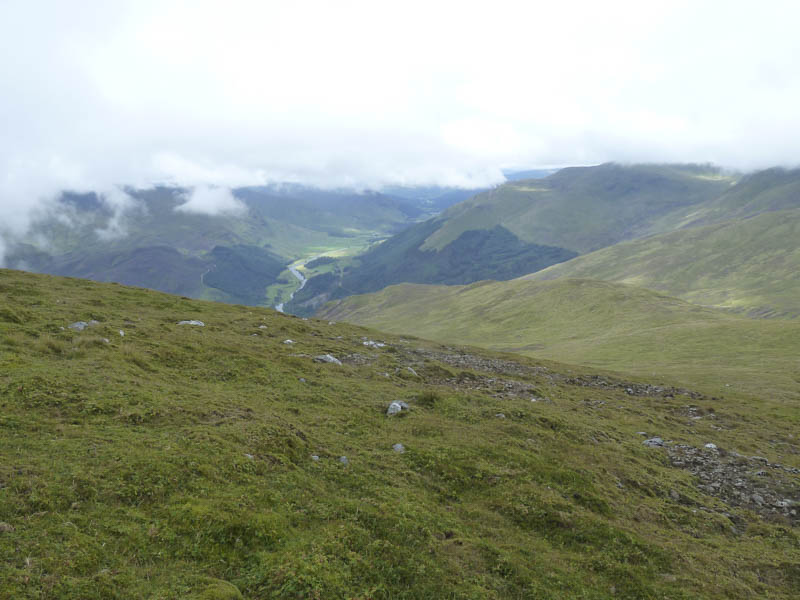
point(176, 462)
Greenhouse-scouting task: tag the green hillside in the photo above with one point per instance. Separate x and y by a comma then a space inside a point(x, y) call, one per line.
point(475, 255)
point(584, 208)
point(749, 265)
point(754, 194)
point(523, 226)
point(186, 461)
point(594, 323)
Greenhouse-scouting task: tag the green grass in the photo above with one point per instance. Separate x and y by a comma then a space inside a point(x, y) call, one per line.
point(584, 208)
point(175, 462)
point(748, 265)
point(595, 323)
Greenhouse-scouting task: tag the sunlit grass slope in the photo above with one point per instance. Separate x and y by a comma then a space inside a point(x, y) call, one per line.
point(584, 208)
point(594, 323)
point(750, 265)
point(177, 461)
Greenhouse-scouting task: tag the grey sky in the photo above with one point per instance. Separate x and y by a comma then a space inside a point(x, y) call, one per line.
point(220, 94)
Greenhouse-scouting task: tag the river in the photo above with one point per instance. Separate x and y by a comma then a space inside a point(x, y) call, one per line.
point(300, 277)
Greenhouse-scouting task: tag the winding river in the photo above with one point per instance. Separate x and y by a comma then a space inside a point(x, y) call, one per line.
point(300, 277)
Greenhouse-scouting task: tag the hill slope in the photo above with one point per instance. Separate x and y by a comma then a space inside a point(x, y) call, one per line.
point(523, 225)
point(750, 265)
point(179, 461)
point(593, 323)
point(584, 208)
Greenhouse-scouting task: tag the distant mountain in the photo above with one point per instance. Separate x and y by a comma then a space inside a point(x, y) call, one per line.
point(528, 224)
point(584, 208)
point(230, 257)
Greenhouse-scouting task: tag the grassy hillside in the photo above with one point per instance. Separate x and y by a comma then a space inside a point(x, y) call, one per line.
point(754, 194)
point(178, 461)
point(749, 265)
point(523, 226)
point(594, 323)
point(584, 208)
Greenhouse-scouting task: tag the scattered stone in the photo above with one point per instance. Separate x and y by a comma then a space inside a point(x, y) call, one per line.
point(6, 527)
point(302, 380)
point(262, 327)
point(500, 416)
point(412, 371)
point(751, 482)
point(711, 446)
point(327, 358)
point(288, 341)
point(654, 442)
point(394, 408)
point(399, 448)
point(106, 340)
point(121, 333)
point(92, 323)
point(343, 460)
point(371, 344)
point(641, 433)
point(314, 457)
point(250, 456)
point(674, 495)
point(192, 322)
point(79, 325)
point(331, 322)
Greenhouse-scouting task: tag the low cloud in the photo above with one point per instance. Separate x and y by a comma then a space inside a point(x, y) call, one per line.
point(213, 201)
point(121, 205)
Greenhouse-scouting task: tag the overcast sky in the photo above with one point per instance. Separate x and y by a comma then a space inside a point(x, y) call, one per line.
point(97, 94)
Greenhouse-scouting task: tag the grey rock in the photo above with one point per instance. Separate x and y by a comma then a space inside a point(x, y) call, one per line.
point(327, 358)
point(371, 344)
point(500, 416)
point(757, 498)
point(288, 341)
point(314, 457)
point(412, 371)
point(674, 495)
point(121, 333)
point(404, 405)
point(641, 433)
point(343, 460)
point(250, 456)
point(393, 409)
point(192, 322)
point(106, 340)
point(711, 446)
point(302, 380)
point(654, 442)
point(399, 448)
point(262, 327)
point(79, 325)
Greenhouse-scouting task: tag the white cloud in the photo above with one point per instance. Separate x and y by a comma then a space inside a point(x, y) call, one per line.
point(213, 201)
point(98, 94)
point(121, 205)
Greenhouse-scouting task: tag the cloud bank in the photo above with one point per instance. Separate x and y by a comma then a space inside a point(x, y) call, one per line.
point(206, 95)
point(213, 201)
